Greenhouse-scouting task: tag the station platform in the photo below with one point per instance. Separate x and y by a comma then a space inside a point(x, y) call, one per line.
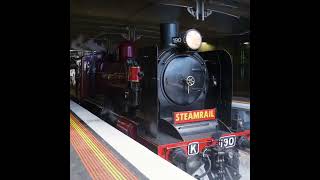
point(99, 151)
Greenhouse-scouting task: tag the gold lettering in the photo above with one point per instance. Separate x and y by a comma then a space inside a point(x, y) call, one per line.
point(190, 116)
point(177, 117)
point(205, 114)
point(211, 113)
point(185, 115)
point(181, 116)
point(196, 115)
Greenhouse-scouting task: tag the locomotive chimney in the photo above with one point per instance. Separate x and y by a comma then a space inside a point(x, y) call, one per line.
point(167, 32)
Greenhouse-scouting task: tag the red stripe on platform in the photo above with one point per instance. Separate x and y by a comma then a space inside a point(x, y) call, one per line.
point(93, 166)
point(108, 153)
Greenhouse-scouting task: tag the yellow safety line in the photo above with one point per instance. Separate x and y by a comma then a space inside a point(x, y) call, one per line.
point(98, 153)
point(123, 174)
point(105, 161)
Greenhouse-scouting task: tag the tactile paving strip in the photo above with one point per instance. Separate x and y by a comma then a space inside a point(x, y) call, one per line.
point(97, 159)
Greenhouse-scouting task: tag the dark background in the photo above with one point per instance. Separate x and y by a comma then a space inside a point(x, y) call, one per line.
point(105, 21)
point(35, 89)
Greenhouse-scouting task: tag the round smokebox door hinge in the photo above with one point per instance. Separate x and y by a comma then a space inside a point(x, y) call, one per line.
point(190, 82)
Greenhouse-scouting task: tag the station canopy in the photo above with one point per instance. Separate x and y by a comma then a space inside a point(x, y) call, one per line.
point(111, 19)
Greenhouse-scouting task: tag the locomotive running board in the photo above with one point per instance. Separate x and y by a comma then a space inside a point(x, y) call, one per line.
point(189, 131)
point(91, 101)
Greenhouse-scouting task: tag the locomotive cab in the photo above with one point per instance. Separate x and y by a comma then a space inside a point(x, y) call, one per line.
point(119, 81)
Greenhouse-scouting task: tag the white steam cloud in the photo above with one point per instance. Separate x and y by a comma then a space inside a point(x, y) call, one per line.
point(81, 44)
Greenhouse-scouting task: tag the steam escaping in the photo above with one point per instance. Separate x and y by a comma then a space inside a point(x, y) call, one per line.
point(78, 44)
point(81, 44)
point(92, 45)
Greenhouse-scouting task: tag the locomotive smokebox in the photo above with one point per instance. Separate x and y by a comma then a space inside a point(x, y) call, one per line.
point(167, 32)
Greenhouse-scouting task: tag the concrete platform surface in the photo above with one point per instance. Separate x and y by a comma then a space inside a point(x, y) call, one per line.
point(106, 153)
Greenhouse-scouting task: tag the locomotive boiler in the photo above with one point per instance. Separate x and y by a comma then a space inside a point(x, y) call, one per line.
point(170, 98)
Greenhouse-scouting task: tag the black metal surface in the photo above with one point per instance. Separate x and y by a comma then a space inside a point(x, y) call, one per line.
point(187, 163)
point(213, 66)
point(92, 77)
point(168, 128)
point(178, 156)
point(174, 80)
point(190, 129)
point(173, 67)
point(173, 91)
point(167, 32)
point(149, 110)
point(219, 65)
point(161, 139)
point(165, 89)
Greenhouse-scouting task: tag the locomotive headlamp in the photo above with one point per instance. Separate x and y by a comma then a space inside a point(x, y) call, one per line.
point(193, 39)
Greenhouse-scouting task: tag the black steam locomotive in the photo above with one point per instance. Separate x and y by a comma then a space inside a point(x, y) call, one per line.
point(172, 99)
